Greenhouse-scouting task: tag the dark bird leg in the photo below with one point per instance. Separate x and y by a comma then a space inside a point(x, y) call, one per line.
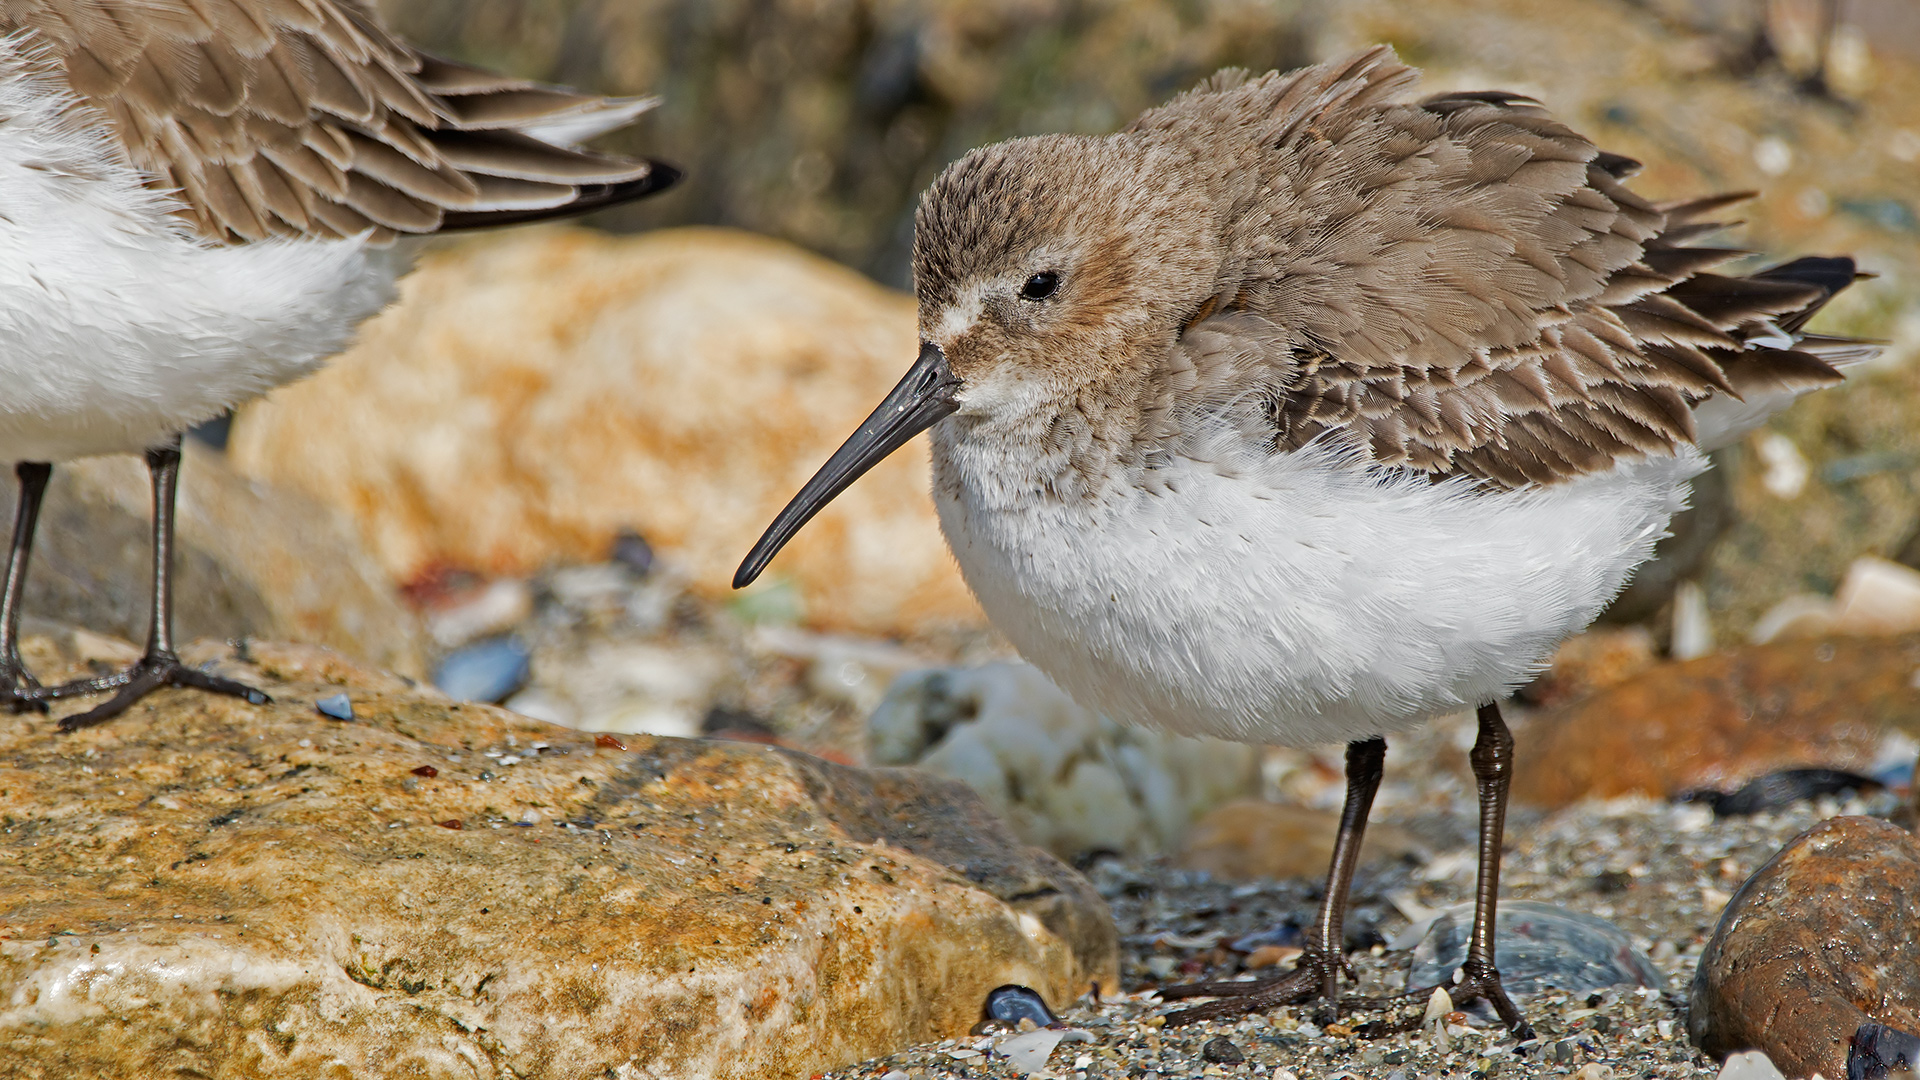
point(17, 686)
point(160, 666)
point(1492, 759)
point(1317, 973)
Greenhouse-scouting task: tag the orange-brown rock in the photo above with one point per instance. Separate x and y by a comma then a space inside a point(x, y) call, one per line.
point(533, 394)
point(205, 888)
point(1720, 720)
point(1822, 939)
point(1249, 839)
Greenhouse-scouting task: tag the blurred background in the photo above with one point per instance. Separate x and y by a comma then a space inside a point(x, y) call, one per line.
point(531, 480)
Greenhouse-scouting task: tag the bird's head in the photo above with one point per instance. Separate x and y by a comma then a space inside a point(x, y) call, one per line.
point(1048, 270)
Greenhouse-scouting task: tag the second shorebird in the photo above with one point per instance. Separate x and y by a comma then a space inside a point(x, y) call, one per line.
point(1304, 411)
point(194, 199)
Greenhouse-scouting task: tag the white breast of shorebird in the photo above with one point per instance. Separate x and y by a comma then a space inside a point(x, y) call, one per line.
point(1289, 598)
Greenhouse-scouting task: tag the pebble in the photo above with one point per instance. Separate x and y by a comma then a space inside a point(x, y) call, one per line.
point(338, 706)
point(487, 671)
point(1221, 1051)
point(1012, 1003)
point(1878, 1052)
point(1750, 1065)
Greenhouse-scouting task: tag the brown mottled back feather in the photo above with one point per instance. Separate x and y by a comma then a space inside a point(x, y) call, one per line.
point(308, 118)
point(1463, 285)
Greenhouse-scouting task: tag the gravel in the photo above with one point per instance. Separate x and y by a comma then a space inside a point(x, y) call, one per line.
point(1662, 872)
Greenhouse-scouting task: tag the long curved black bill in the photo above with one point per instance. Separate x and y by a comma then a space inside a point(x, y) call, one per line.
point(920, 401)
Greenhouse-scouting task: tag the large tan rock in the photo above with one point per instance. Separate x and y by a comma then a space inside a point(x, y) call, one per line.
point(252, 560)
point(535, 393)
point(204, 888)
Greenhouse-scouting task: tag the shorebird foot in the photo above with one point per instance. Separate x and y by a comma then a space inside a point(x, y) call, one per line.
point(20, 691)
point(1307, 981)
point(151, 673)
point(1480, 982)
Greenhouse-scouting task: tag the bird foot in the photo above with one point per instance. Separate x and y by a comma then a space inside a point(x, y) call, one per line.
point(1307, 981)
point(1477, 983)
point(19, 691)
point(150, 674)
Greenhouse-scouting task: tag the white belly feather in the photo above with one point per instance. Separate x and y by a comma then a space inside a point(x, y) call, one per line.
point(1294, 598)
point(118, 326)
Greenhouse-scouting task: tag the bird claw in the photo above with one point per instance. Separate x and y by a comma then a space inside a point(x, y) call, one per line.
point(143, 678)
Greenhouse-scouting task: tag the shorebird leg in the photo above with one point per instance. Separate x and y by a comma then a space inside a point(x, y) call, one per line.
point(1316, 974)
point(160, 666)
point(18, 687)
point(1492, 759)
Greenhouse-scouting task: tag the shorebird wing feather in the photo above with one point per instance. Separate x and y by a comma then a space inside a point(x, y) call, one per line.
point(308, 118)
point(1468, 286)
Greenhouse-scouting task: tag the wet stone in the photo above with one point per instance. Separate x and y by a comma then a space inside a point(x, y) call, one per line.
point(1012, 1004)
point(1537, 945)
point(1878, 1052)
point(1823, 939)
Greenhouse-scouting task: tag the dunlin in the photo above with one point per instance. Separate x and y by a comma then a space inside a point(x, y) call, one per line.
point(1305, 410)
point(196, 199)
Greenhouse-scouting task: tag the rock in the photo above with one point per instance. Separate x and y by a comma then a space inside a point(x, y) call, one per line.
point(1064, 778)
point(1537, 946)
point(252, 560)
point(1876, 597)
point(1602, 657)
point(534, 396)
point(1721, 720)
point(211, 889)
point(1251, 839)
point(1822, 939)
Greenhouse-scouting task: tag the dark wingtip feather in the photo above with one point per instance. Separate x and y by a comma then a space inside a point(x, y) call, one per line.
point(660, 176)
point(1829, 273)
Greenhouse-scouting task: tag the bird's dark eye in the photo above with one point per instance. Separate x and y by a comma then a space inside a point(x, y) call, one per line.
point(1040, 286)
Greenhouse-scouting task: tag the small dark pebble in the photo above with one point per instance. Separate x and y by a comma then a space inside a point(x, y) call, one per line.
point(339, 707)
point(1778, 789)
point(1878, 1052)
point(1563, 1052)
point(724, 723)
point(608, 742)
point(632, 551)
point(1221, 1051)
point(1013, 1003)
point(427, 771)
point(451, 823)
